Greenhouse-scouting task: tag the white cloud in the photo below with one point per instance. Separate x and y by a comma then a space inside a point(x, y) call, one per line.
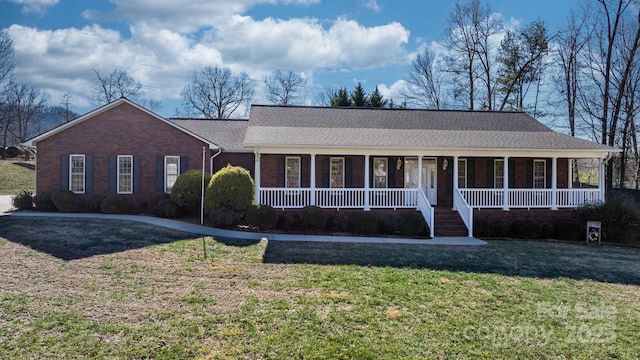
point(372, 5)
point(395, 91)
point(34, 6)
point(183, 16)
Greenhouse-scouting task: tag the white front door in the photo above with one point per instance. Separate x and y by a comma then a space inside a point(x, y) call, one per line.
point(429, 177)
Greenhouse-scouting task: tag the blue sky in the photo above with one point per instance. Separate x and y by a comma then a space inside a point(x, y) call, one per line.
point(161, 43)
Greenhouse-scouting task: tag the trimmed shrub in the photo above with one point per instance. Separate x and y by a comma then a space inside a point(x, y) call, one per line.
point(313, 217)
point(89, 202)
point(620, 217)
point(365, 222)
point(224, 218)
point(166, 208)
point(500, 230)
point(154, 200)
point(568, 229)
point(548, 231)
point(482, 228)
point(264, 217)
point(387, 224)
point(337, 222)
point(413, 224)
point(187, 190)
point(231, 187)
point(115, 204)
point(43, 202)
point(64, 200)
point(525, 229)
point(23, 201)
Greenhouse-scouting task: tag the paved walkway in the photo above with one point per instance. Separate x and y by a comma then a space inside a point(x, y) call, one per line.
point(5, 207)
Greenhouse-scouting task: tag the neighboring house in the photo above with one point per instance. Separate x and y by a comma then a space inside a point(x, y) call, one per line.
point(434, 161)
point(360, 158)
point(119, 148)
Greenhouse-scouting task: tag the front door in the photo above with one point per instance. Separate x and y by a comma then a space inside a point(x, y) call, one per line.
point(429, 177)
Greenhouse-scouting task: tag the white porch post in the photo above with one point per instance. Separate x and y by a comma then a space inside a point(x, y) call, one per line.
point(312, 181)
point(366, 183)
point(256, 173)
point(601, 179)
point(570, 173)
point(554, 183)
point(505, 184)
point(455, 180)
point(419, 172)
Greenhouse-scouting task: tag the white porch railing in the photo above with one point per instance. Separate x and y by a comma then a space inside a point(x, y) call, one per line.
point(285, 198)
point(426, 209)
point(464, 210)
point(340, 198)
point(529, 198)
point(393, 198)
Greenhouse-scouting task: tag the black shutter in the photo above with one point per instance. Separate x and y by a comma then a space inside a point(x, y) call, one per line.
point(184, 164)
point(113, 174)
point(325, 172)
point(391, 173)
point(491, 173)
point(281, 171)
point(471, 173)
point(64, 172)
point(529, 173)
point(88, 173)
point(137, 174)
point(549, 172)
point(512, 173)
point(371, 172)
point(348, 172)
point(450, 179)
point(305, 182)
point(159, 173)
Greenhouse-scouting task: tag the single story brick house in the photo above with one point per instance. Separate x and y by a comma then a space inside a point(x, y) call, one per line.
point(123, 148)
point(442, 163)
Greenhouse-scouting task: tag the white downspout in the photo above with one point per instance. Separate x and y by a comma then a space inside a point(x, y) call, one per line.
point(211, 160)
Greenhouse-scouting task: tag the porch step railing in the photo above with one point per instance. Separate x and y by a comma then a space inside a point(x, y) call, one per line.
point(426, 210)
point(464, 210)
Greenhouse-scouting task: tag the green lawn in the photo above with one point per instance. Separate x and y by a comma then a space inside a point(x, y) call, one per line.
point(75, 288)
point(16, 176)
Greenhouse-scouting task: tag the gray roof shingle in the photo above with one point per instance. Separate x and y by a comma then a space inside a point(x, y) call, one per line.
point(410, 129)
point(228, 134)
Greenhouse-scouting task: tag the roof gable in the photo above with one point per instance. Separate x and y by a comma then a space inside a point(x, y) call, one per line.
point(107, 107)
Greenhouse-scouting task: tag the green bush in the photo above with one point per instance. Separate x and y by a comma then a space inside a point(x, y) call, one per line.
point(525, 229)
point(224, 217)
point(43, 202)
point(187, 190)
point(548, 231)
point(337, 222)
point(287, 220)
point(115, 204)
point(313, 217)
point(154, 200)
point(500, 229)
point(23, 201)
point(365, 222)
point(64, 200)
point(413, 224)
point(264, 217)
point(231, 187)
point(620, 217)
point(568, 229)
point(482, 228)
point(387, 224)
point(166, 208)
point(89, 202)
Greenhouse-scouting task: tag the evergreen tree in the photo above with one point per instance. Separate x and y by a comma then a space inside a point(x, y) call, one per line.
point(359, 97)
point(376, 100)
point(341, 98)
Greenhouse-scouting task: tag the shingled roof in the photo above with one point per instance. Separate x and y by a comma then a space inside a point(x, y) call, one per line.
point(228, 134)
point(404, 129)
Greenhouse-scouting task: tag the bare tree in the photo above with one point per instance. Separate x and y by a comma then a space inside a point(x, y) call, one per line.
point(114, 86)
point(66, 103)
point(24, 103)
point(425, 81)
point(6, 56)
point(284, 88)
point(216, 93)
point(469, 29)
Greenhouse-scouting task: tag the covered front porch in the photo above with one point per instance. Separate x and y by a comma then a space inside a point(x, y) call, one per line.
point(342, 179)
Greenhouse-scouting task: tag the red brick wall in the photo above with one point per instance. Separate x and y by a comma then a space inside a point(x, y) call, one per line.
point(246, 160)
point(122, 130)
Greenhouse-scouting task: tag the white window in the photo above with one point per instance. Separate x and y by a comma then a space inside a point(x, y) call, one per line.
point(462, 173)
point(125, 174)
point(292, 172)
point(539, 174)
point(337, 172)
point(380, 172)
point(171, 172)
point(76, 173)
point(498, 173)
